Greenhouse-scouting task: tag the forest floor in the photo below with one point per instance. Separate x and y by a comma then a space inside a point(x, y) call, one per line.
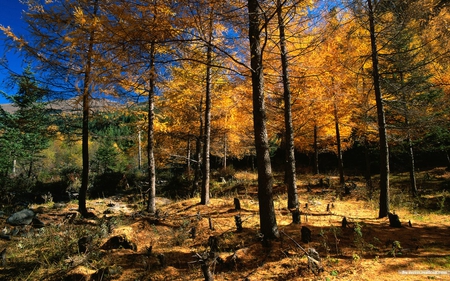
point(164, 247)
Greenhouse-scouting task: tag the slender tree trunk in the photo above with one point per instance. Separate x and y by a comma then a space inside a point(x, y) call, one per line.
point(30, 168)
point(86, 98)
point(410, 149)
point(151, 204)
point(268, 223)
point(188, 156)
point(368, 173)
point(384, 147)
point(139, 150)
point(339, 148)
point(225, 151)
point(290, 176)
point(412, 172)
point(198, 152)
point(316, 152)
point(207, 142)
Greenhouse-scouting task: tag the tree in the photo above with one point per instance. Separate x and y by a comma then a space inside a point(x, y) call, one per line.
point(412, 97)
point(291, 179)
point(382, 133)
point(25, 132)
point(64, 41)
point(268, 221)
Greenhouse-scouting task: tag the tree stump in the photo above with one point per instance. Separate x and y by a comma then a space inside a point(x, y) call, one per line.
point(238, 221)
point(193, 232)
point(296, 216)
point(306, 234)
point(162, 260)
point(237, 204)
point(207, 272)
point(314, 261)
point(344, 222)
point(84, 244)
point(206, 260)
point(211, 225)
point(213, 243)
point(394, 220)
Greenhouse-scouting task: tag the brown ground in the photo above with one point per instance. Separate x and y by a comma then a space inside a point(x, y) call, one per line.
point(52, 254)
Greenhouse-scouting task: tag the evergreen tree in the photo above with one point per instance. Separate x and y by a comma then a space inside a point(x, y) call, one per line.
point(24, 133)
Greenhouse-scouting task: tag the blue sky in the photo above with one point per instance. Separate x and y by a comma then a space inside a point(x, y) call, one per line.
point(10, 15)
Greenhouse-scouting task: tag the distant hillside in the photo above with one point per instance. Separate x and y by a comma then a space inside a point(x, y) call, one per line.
point(71, 105)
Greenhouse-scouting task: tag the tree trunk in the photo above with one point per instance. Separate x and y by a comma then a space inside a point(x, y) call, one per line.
point(384, 147)
point(412, 172)
point(151, 205)
point(316, 152)
point(139, 150)
point(268, 223)
point(86, 97)
point(188, 156)
point(290, 176)
point(225, 151)
point(207, 143)
point(338, 144)
point(198, 152)
point(368, 173)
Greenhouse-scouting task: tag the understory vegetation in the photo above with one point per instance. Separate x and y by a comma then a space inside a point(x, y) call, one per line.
point(122, 242)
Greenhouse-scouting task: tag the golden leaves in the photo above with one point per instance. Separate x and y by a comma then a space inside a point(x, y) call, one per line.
point(20, 42)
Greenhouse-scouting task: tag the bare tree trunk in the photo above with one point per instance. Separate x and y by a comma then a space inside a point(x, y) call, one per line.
point(225, 151)
point(338, 143)
point(198, 152)
point(207, 143)
point(151, 205)
point(412, 172)
point(86, 97)
point(268, 223)
point(410, 149)
point(384, 146)
point(188, 156)
point(290, 176)
point(368, 173)
point(139, 150)
point(316, 152)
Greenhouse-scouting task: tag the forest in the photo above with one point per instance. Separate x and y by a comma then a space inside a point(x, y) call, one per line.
point(150, 139)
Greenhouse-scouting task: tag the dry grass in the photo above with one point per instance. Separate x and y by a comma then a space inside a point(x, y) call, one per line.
point(362, 251)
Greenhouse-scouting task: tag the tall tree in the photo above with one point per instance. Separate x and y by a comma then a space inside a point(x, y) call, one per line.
point(290, 170)
point(64, 41)
point(25, 132)
point(382, 132)
point(86, 99)
point(208, 103)
point(151, 204)
point(267, 216)
point(407, 80)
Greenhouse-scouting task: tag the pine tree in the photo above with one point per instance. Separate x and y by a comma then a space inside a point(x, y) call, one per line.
point(25, 132)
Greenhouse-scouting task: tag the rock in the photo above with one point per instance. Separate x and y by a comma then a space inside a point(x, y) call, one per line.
point(24, 217)
point(117, 242)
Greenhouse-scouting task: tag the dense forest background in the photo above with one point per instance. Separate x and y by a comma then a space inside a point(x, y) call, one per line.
point(127, 94)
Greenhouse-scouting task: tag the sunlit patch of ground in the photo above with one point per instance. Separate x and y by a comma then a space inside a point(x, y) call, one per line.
point(167, 248)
